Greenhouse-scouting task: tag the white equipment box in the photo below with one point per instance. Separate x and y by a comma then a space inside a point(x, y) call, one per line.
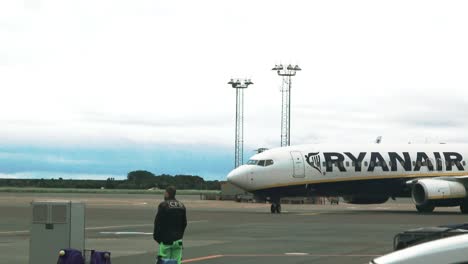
point(55, 225)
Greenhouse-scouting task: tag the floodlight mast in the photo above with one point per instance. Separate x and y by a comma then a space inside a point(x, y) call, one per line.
point(286, 100)
point(239, 85)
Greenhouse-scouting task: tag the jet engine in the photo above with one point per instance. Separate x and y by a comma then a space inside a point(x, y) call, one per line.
point(365, 199)
point(438, 192)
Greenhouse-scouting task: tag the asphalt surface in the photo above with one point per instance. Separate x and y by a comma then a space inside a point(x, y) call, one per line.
point(228, 232)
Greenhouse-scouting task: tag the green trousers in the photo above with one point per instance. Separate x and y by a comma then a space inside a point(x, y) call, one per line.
point(173, 251)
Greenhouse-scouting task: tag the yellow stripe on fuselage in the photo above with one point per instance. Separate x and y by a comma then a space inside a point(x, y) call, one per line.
point(360, 178)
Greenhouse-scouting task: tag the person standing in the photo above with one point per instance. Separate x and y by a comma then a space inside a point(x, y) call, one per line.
point(169, 226)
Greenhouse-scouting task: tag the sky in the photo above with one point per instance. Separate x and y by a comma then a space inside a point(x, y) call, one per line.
point(95, 89)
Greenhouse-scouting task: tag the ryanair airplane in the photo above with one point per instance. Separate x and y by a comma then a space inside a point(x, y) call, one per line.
point(432, 174)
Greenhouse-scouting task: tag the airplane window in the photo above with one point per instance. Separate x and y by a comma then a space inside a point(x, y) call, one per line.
point(347, 164)
point(353, 164)
point(324, 164)
point(261, 163)
point(372, 163)
point(252, 162)
point(365, 163)
point(414, 163)
point(268, 162)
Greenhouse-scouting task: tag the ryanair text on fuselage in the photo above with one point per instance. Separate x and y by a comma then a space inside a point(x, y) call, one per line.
point(434, 161)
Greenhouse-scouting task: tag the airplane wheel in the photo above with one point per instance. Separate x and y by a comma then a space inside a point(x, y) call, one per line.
point(278, 208)
point(464, 207)
point(427, 208)
point(273, 208)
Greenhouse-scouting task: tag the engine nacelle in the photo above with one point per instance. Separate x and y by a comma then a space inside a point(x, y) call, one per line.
point(437, 191)
point(365, 199)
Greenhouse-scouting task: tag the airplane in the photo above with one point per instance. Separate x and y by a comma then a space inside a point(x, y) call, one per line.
point(434, 175)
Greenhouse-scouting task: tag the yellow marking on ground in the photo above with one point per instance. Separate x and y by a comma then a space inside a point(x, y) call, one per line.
point(309, 214)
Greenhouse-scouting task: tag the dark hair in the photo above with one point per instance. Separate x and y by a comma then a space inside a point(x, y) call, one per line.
point(171, 191)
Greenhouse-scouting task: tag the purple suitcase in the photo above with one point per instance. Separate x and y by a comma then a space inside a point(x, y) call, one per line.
point(98, 257)
point(70, 256)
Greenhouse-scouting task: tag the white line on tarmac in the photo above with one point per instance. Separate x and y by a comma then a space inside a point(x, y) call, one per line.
point(14, 232)
point(97, 227)
point(125, 233)
point(116, 226)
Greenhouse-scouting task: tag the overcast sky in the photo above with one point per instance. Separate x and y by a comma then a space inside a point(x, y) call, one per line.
point(97, 88)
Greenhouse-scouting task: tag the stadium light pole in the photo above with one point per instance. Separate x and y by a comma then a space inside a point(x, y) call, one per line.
point(286, 74)
point(240, 85)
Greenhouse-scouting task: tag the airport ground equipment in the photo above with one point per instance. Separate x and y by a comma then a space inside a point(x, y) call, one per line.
point(445, 250)
point(55, 225)
point(425, 234)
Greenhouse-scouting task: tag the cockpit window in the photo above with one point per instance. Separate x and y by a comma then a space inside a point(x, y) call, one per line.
point(252, 162)
point(262, 163)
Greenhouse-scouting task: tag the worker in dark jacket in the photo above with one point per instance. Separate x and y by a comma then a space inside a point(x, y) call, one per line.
point(169, 226)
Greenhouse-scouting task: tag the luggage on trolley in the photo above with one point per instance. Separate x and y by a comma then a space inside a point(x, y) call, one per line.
point(73, 256)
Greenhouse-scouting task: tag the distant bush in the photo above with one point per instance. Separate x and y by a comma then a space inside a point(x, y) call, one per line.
point(136, 180)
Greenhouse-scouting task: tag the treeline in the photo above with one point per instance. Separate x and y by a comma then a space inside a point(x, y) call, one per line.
point(135, 180)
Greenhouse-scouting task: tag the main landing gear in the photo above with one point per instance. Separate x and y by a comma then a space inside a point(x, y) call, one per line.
point(464, 207)
point(276, 205)
point(275, 208)
point(425, 208)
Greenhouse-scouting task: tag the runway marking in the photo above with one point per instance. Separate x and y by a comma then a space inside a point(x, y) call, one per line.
point(277, 255)
point(14, 232)
point(302, 255)
point(97, 227)
point(125, 233)
point(307, 214)
point(202, 258)
point(116, 226)
point(123, 226)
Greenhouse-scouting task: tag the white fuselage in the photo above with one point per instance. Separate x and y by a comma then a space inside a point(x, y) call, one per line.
point(316, 164)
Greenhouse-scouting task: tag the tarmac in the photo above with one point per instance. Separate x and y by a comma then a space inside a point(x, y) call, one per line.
point(228, 232)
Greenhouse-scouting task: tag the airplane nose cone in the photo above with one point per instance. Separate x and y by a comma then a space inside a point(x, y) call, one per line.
point(234, 177)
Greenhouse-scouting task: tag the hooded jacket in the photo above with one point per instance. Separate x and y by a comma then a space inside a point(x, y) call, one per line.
point(170, 222)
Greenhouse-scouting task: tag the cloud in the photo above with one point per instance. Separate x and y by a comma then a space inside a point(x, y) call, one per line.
point(47, 158)
point(114, 74)
point(57, 175)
